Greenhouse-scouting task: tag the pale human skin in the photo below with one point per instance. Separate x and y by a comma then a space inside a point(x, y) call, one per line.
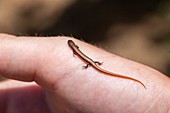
point(54, 81)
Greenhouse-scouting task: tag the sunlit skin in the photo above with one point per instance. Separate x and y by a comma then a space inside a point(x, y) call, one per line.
point(53, 81)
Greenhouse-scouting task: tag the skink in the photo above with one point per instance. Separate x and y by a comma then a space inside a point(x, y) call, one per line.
point(95, 64)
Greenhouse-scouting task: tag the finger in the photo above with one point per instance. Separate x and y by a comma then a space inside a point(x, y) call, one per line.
point(11, 84)
point(29, 59)
point(14, 58)
point(16, 96)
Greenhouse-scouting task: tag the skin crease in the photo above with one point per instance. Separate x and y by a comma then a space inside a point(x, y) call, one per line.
point(62, 86)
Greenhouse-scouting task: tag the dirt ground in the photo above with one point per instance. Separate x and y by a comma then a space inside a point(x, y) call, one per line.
point(137, 30)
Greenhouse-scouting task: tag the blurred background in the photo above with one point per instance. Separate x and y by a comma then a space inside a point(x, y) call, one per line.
point(135, 29)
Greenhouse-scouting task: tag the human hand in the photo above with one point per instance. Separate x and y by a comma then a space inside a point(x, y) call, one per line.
point(61, 86)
